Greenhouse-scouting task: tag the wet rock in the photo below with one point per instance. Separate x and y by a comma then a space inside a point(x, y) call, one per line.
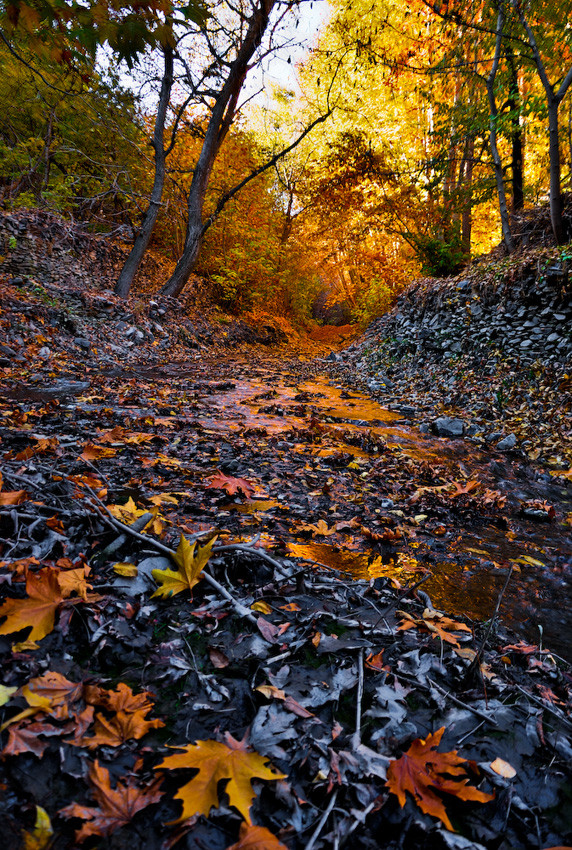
point(445, 426)
point(44, 353)
point(82, 342)
point(508, 443)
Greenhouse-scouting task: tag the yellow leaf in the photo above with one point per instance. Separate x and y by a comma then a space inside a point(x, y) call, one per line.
point(41, 836)
point(38, 610)
point(6, 694)
point(189, 572)
point(214, 761)
point(125, 569)
point(261, 607)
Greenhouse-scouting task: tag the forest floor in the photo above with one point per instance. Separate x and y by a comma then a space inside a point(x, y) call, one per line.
point(246, 606)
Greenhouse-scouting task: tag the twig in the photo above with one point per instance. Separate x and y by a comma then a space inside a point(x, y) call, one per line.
point(322, 821)
point(544, 705)
point(357, 821)
point(251, 550)
point(477, 659)
point(356, 737)
point(402, 596)
point(458, 702)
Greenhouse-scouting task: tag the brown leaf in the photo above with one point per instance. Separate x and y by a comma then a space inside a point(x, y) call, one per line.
point(13, 497)
point(214, 761)
point(231, 485)
point(218, 658)
point(75, 581)
point(268, 630)
point(38, 610)
point(122, 727)
point(52, 693)
point(117, 807)
point(425, 773)
point(256, 838)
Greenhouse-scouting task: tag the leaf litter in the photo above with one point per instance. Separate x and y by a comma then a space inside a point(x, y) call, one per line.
point(176, 672)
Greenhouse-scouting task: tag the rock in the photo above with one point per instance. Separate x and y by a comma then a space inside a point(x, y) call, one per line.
point(332, 356)
point(445, 426)
point(44, 353)
point(82, 342)
point(508, 443)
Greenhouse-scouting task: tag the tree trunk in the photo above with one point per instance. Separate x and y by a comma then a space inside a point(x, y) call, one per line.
point(141, 244)
point(517, 137)
point(221, 118)
point(555, 189)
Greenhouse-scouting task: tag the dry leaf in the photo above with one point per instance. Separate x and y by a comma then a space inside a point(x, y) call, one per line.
point(256, 838)
point(117, 807)
point(231, 485)
point(40, 837)
point(261, 607)
point(503, 768)
point(423, 772)
point(38, 610)
point(125, 569)
point(233, 761)
point(189, 572)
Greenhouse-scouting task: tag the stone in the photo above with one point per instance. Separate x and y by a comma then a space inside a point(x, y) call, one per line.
point(82, 342)
point(44, 353)
point(445, 426)
point(553, 337)
point(526, 343)
point(507, 443)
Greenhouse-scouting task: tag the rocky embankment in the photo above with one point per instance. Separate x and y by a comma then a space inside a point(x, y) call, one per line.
point(485, 355)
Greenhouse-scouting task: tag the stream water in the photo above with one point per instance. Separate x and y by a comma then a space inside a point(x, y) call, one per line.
point(469, 564)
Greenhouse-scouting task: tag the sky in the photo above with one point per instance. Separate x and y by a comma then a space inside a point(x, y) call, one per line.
point(279, 71)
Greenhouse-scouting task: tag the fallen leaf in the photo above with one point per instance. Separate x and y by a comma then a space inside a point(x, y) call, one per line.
point(13, 497)
point(189, 572)
point(232, 761)
point(125, 569)
point(256, 838)
point(424, 773)
point(117, 807)
point(261, 607)
point(40, 837)
point(231, 485)
point(503, 768)
point(122, 727)
point(6, 694)
point(52, 693)
point(38, 610)
point(75, 581)
point(93, 452)
point(218, 659)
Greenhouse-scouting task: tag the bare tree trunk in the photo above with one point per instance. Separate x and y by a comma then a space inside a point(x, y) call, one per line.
point(221, 118)
point(141, 244)
point(553, 101)
point(517, 136)
point(493, 110)
point(555, 187)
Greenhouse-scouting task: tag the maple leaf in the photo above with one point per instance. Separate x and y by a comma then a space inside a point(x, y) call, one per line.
point(38, 610)
point(52, 693)
point(117, 807)
point(190, 568)
point(93, 452)
point(117, 730)
point(256, 838)
point(214, 761)
point(433, 621)
point(75, 581)
point(231, 485)
point(319, 529)
point(123, 699)
point(462, 489)
point(424, 773)
point(129, 512)
point(13, 497)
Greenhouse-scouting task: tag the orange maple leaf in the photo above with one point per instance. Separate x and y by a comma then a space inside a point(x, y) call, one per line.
point(231, 485)
point(438, 624)
point(120, 728)
point(256, 838)
point(425, 773)
point(117, 807)
point(38, 610)
point(52, 693)
point(233, 761)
